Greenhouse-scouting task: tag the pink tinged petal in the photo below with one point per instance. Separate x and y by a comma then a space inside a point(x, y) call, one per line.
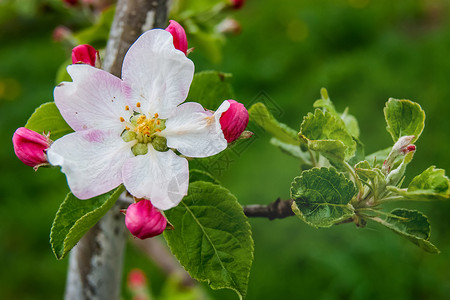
point(159, 75)
point(144, 220)
point(162, 177)
point(85, 54)
point(30, 146)
point(95, 99)
point(92, 161)
point(234, 121)
point(195, 132)
point(179, 36)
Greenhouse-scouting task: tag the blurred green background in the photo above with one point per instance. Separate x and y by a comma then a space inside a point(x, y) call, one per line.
point(362, 51)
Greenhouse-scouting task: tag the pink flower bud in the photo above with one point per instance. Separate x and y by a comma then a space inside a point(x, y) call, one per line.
point(144, 220)
point(179, 36)
point(136, 279)
point(237, 4)
point(229, 25)
point(61, 33)
point(30, 147)
point(401, 147)
point(234, 121)
point(85, 54)
point(71, 2)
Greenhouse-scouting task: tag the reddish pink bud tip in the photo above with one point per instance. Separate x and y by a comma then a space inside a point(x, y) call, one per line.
point(411, 148)
point(179, 36)
point(136, 279)
point(144, 220)
point(234, 121)
point(30, 146)
point(70, 2)
point(85, 54)
point(61, 33)
point(237, 4)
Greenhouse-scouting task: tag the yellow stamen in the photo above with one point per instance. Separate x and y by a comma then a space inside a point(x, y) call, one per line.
point(156, 116)
point(138, 104)
point(122, 119)
point(127, 107)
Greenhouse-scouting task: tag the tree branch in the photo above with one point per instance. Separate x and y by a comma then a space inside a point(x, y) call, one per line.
point(278, 209)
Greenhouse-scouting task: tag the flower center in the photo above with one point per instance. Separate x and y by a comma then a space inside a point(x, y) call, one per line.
point(144, 130)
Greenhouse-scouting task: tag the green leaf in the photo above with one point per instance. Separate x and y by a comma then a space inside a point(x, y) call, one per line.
point(75, 217)
point(259, 114)
point(359, 153)
point(321, 197)
point(47, 118)
point(366, 172)
point(210, 89)
point(199, 175)
point(212, 237)
point(412, 225)
point(432, 184)
point(404, 117)
point(327, 134)
point(349, 120)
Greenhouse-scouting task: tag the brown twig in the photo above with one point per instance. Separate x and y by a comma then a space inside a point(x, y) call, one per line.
point(278, 209)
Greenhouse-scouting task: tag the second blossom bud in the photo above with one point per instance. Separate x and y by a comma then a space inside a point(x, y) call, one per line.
point(234, 121)
point(144, 220)
point(85, 54)
point(30, 147)
point(179, 36)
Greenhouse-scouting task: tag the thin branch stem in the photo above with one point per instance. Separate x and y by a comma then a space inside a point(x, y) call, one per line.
point(278, 209)
point(355, 178)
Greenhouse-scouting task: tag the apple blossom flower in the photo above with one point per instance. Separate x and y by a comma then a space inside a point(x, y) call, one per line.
point(126, 130)
point(85, 54)
point(179, 36)
point(144, 220)
point(234, 121)
point(30, 147)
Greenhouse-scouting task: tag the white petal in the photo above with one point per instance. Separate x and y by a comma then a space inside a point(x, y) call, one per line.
point(195, 132)
point(158, 74)
point(95, 99)
point(92, 161)
point(161, 177)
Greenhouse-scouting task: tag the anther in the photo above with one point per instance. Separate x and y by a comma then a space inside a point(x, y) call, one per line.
point(138, 104)
point(156, 116)
point(122, 119)
point(127, 107)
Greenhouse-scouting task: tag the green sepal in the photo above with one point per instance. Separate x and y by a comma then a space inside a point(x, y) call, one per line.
point(431, 184)
point(412, 225)
point(321, 197)
point(377, 158)
point(259, 114)
point(75, 217)
point(404, 117)
point(47, 118)
point(327, 134)
point(212, 237)
point(210, 89)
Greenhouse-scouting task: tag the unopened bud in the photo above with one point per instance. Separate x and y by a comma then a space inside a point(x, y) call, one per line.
point(229, 25)
point(179, 36)
point(234, 121)
point(401, 147)
point(237, 4)
point(144, 220)
point(61, 33)
point(136, 279)
point(71, 2)
point(30, 147)
point(85, 54)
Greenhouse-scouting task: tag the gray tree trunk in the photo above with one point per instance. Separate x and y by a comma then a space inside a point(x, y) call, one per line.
point(95, 265)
